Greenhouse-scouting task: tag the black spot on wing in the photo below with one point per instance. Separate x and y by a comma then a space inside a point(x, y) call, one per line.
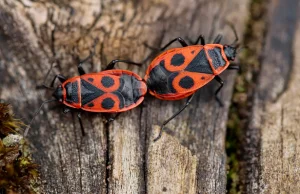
point(108, 103)
point(216, 56)
point(107, 81)
point(90, 79)
point(186, 82)
point(199, 64)
point(177, 60)
point(89, 92)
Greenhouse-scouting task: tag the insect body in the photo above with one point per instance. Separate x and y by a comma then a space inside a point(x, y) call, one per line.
point(110, 91)
point(179, 72)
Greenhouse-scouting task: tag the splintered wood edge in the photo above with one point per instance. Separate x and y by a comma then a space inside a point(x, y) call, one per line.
point(171, 167)
point(280, 158)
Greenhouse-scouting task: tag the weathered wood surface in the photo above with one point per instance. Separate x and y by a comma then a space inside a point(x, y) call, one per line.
point(120, 157)
point(170, 158)
point(271, 145)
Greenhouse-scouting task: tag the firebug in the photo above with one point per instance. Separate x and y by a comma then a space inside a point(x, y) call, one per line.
point(178, 73)
point(108, 91)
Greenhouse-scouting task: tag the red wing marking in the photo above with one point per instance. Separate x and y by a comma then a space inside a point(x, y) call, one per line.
point(195, 81)
point(99, 78)
point(98, 104)
point(108, 82)
point(188, 52)
point(219, 69)
point(171, 96)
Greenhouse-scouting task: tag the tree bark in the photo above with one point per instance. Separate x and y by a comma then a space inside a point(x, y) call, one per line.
point(270, 157)
point(120, 157)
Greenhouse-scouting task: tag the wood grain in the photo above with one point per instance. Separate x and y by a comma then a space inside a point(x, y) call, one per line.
point(271, 140)
point(120, 157)
point(175, 162)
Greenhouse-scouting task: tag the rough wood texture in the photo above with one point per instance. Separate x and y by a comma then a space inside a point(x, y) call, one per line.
point(120, 157)
point(171, 159)
point(271, 143)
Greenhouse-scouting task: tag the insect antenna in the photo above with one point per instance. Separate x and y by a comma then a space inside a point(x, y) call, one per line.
point(38, 110)
point(44, 102)
point(237, 46)
point(235, 42)
point(43, 86)
point(241, 48)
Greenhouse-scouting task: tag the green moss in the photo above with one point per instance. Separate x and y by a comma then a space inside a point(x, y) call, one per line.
point(18, 173)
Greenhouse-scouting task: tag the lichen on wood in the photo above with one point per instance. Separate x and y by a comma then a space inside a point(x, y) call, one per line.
point(18, 173)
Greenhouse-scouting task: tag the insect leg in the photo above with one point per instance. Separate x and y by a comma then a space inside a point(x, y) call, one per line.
point(80, 69)
point(112, 64)
point(218, 39)
point(61, 78)
point(66, 110)
point(218, 79)
point(179, 39)
point(173, 116)
point(81, 125)
point(111, 119)
point(233, 67)
point(155, 49)
point(201, 39)
point(92, 53)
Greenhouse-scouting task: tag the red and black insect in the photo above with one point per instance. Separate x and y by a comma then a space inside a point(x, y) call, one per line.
point(108, 91)
point(179, 72)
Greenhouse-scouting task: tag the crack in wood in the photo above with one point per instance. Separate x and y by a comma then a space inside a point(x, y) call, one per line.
point(107, 161)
